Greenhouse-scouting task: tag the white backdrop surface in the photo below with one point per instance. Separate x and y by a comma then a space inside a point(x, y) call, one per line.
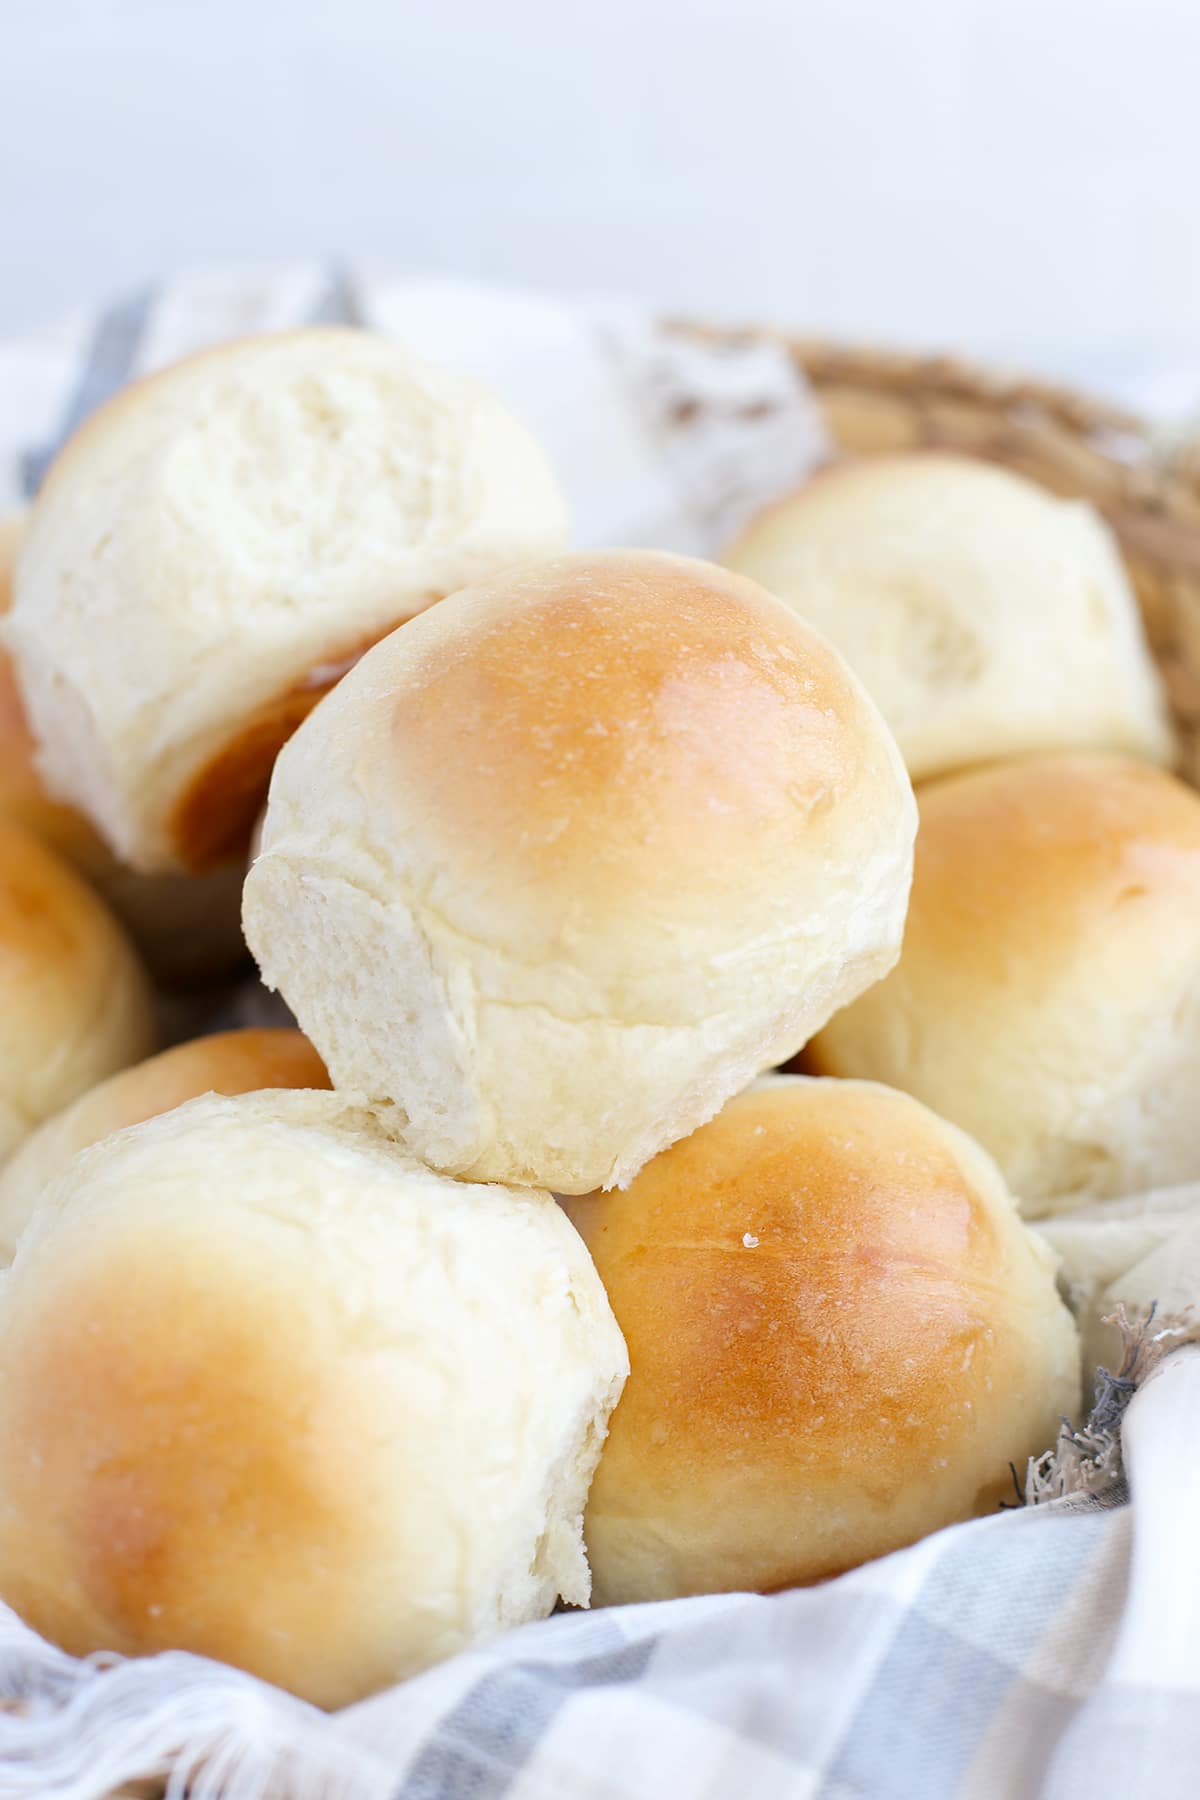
point(1016, 178)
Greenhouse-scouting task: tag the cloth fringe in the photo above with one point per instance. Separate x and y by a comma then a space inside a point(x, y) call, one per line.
point(183, 1728)
point(175, 1725)
point(1086, 1462)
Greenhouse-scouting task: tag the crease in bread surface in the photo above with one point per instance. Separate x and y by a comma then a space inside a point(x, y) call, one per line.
point(840, 1333)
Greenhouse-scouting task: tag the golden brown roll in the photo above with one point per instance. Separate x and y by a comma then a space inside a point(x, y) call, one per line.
point(569, 859)
point(187, 928)
point(840, 1335)
point(985, 616)
point(220, 541)
point(1048, 995)
point(275, 1393)
point(227, 1062)
point(75, 1005)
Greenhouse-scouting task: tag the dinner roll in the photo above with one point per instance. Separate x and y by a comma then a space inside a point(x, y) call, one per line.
point(187, 927)
point(226, 1062)
point(275, 1393)
point(985, 616)
point(221, 541)
point(572, 857)
point(1048, 996)
point(840, 1336)
point(74, 1002)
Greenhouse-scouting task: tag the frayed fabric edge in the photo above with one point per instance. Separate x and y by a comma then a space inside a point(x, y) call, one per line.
point(183, 1728)
point(1086, 1463)
point(174, 1726)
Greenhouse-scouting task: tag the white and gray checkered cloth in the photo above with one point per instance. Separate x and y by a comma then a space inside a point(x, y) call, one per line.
point(1048, 1651)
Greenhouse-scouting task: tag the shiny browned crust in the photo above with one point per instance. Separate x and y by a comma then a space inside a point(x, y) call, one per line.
point(721, 725)
point(796, 1400)
point(12, 530)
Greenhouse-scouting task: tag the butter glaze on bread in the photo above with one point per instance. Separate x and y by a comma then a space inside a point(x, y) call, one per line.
point(840, 1334)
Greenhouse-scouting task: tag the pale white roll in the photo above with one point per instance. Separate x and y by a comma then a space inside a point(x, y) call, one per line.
point(221, 541)
point(277, 1394)
point(567, 861)
point(986, 616)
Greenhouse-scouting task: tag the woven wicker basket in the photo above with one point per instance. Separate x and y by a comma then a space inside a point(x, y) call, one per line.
point(1146, 485)
point(1148, 488)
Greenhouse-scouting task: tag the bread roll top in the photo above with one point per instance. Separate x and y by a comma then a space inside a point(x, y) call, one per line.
point(840, 1336)
point(1048, 995)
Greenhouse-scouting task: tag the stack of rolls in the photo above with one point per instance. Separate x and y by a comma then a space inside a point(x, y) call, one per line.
point(519, 1273)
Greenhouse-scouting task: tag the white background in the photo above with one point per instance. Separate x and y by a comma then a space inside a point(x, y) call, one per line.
point(1019, 178)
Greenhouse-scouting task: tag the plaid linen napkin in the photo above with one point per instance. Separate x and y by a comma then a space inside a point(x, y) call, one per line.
point(1053, 1650)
